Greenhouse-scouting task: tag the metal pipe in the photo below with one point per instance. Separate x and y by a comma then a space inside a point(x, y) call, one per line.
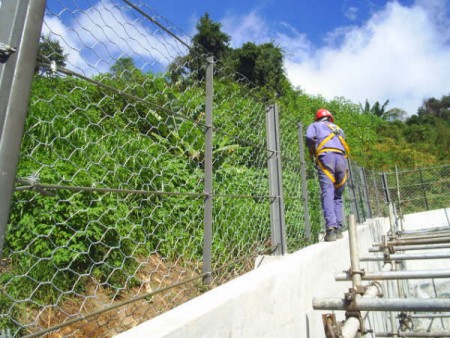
point(424, 235)
point(398, 257)
point(421, 231)
point(20, 28)
point(208, 174)
point(352, 324)
point(383, 304)
point(400, 242)
point(392, 222)
point(354, 256)
point(412, 247)
point(429, 315)
point(277, 221)
point(354, 202)
point(304, 181)
point(413, 334)
point(366, 192)
point(390, 275)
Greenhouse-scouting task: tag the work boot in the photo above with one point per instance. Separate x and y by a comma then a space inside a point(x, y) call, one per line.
point(330, 235)
point(339, 234)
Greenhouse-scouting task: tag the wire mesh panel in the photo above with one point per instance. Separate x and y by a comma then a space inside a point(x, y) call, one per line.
point(375, 194)
point(420, 189)
point(106, 224)
point(241, 223)
point(357, 185)
point(292, 140)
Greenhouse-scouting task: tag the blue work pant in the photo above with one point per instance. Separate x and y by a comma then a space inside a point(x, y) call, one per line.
point(331, 197)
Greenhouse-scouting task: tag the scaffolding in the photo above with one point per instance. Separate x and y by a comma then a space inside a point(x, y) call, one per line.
point(387, 290)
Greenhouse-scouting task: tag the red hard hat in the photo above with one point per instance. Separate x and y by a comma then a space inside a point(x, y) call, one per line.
point(323, 113)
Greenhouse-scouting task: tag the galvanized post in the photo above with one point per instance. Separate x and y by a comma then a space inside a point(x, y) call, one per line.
point(354, 253)
point(389, 203)
point(366, 192)
point(379, 210)
point(423, 189)
point(399, 199)
point(278, 234)
point(360, 188)
point(20, 29)
point(208, 188)
point(355, 210)
point(304, 182)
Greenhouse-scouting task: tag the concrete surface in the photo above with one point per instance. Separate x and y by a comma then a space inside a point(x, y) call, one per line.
point(275, 299)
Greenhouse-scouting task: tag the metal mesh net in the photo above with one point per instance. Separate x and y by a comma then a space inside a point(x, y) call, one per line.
point(106, 226)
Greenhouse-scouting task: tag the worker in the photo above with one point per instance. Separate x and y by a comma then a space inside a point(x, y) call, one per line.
point(329, 150)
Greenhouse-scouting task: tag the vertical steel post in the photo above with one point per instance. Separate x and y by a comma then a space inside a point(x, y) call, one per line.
point(304, 182)
point(354, 253)
point(360, 188)
point(355, 210)
point(389, 202)
point(423, 189)
point(208, 188)
point(377, 198)
point(20, 29)
point(366, 192)
point(399, 199)
point(278, 234)
point(352, 324)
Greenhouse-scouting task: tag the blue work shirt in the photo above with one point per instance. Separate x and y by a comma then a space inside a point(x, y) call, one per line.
point(319, 130)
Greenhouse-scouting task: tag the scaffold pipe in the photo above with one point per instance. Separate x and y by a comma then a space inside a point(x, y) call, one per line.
point(353, 323)
point(436, 334)
point(424, 231)
point(401, 242)
point(401, 257)
point(382, 304)
point(390, 275)
point(412, 247)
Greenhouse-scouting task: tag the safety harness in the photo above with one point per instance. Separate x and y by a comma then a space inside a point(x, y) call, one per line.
point(335, 132)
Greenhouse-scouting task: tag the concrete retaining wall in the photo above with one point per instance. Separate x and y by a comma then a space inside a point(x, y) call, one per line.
point(275, 300)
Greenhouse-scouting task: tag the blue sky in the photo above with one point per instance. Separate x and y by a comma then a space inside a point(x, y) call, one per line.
point(357, 49)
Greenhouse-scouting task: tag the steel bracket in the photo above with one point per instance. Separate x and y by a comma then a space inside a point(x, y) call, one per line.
point(333, 329)
point(351, 309)
point(5, 52)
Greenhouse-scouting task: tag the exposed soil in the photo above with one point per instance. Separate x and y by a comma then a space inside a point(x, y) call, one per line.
point(155, 274)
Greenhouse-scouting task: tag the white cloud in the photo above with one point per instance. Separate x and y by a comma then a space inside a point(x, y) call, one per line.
point(351, 13)
point(57, 30)
point(245, 28)
point(400, 54)
point(97, 36)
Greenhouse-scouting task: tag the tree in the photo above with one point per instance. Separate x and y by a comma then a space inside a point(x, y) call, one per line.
point(50, 51)
point(433, 107)
point(395, 114)
point(209, 40)
point(377, 109)
point(262, 65)
point(124, 68)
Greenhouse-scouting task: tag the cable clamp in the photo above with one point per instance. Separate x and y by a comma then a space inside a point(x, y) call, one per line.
point(5, 52)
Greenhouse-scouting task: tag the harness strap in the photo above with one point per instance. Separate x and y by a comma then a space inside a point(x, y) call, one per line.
point(327, 172)
point(321, 149)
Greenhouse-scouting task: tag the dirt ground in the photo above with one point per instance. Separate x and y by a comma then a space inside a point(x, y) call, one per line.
point(155, 274)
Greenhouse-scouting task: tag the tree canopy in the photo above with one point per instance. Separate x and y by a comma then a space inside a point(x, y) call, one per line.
point(261, 65)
